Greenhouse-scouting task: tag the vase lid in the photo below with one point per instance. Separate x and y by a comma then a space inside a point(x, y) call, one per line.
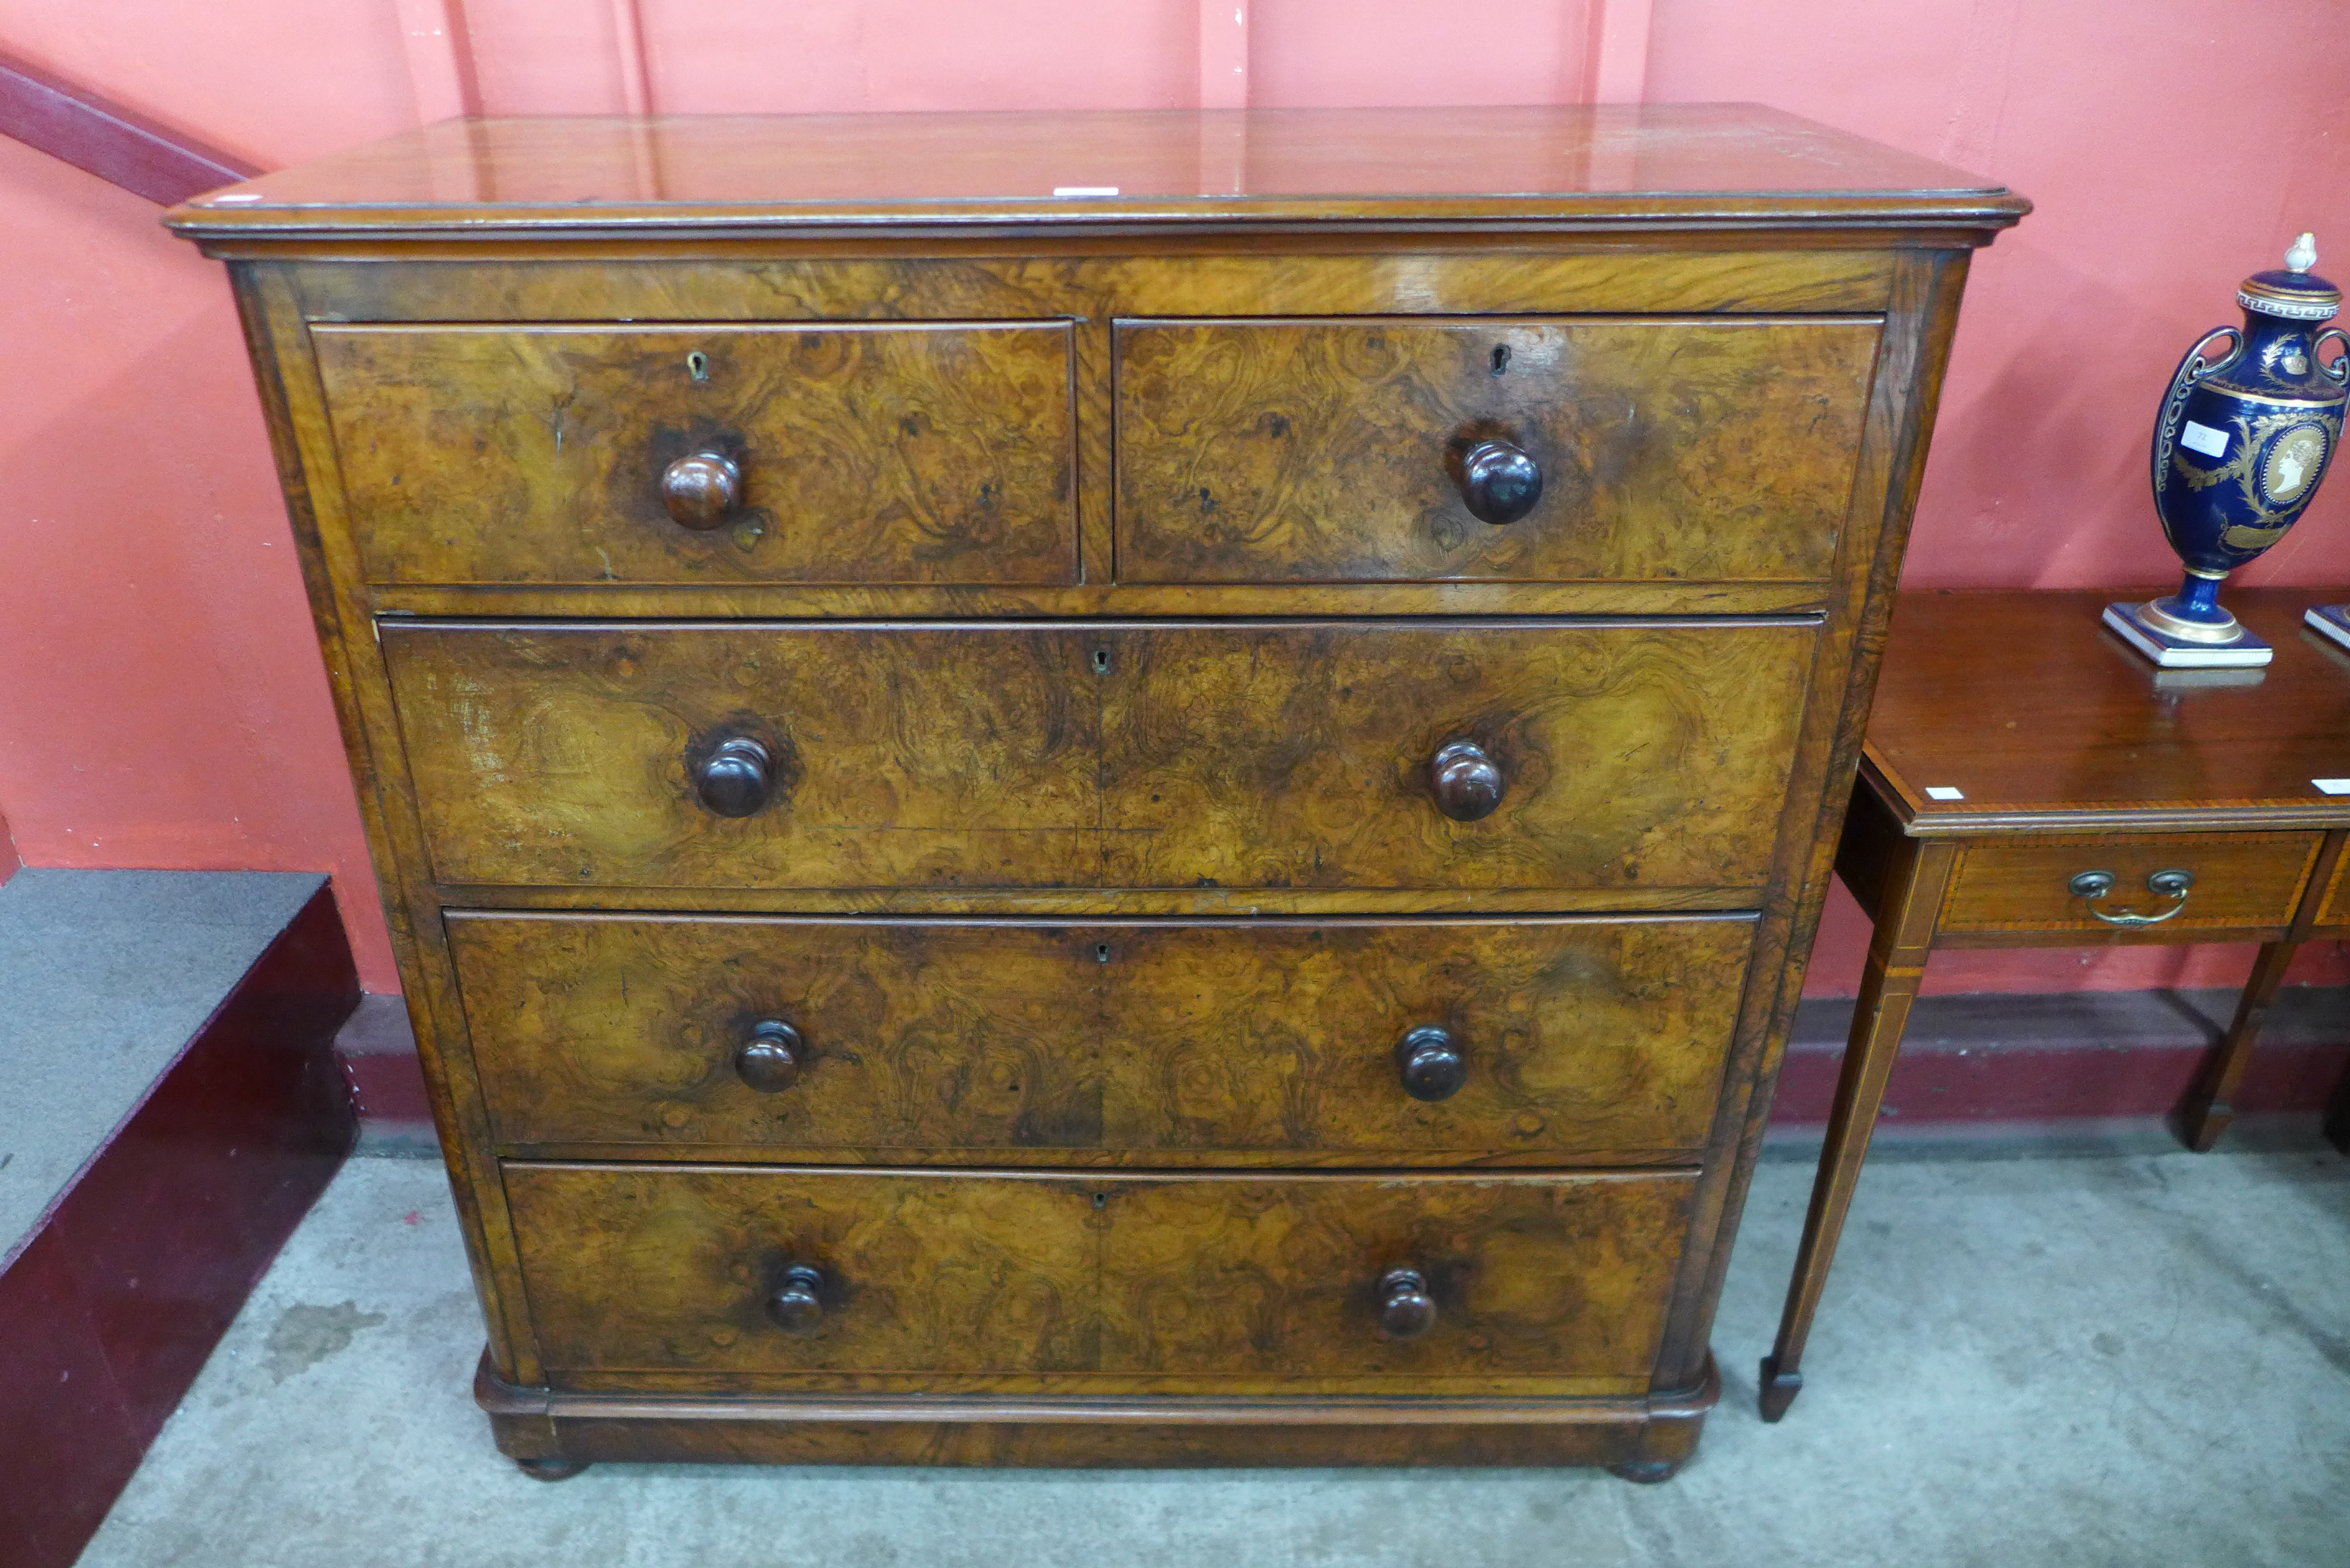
point(2293, 292)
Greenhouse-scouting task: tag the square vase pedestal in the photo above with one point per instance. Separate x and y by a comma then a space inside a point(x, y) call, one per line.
point(2176, 653)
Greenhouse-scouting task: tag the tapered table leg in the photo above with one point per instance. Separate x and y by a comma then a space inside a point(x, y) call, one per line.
point(2210, 1105)
point(1912, 898)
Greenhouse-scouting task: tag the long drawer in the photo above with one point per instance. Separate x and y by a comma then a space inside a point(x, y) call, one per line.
point(1340, 755)
point(1333, 1042)
point(1693, 449)
point(1374, 1280)
point(801, 452)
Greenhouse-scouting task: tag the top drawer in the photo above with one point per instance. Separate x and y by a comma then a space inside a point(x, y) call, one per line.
point(1695, 448)
point(930, 452)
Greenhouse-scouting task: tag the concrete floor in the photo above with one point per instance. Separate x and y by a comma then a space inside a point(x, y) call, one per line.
point(2050, 1361)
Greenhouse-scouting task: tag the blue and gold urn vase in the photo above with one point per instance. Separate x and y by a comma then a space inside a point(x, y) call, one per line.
point(2243, 438)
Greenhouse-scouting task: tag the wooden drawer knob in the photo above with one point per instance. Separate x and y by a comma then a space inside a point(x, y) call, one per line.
point(1405, 1309)
point(1465, 781)
point(1499, 482)
point(1432, 1066)
point(702, 490)
point(797, 1304)
point(769, 1058)
point(736, 779)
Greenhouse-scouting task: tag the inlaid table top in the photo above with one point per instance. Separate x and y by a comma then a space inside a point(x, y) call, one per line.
point(2038, 718)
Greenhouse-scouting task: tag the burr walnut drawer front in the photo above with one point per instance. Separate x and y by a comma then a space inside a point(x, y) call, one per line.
point(1589, 449)
point(1376, 1282)
point(1338, 1040)
point(923, 453)
point(1360, 754)
point(2126, 885)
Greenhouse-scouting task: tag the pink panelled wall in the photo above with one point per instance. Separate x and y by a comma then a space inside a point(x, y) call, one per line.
point(2170, 147)
point(162, 700)
point(162, 704)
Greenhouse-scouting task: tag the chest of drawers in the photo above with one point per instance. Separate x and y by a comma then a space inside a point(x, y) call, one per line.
point(1165, 826)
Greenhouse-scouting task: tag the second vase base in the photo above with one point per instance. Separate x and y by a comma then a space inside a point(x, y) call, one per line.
point(2330, 621)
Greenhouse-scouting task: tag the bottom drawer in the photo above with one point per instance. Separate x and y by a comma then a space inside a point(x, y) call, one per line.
point(1201, 1280)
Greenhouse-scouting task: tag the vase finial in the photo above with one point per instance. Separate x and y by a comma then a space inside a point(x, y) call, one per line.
point(2302, 255)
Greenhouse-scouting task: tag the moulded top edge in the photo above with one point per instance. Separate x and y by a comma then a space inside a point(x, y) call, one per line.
point(1662, 164)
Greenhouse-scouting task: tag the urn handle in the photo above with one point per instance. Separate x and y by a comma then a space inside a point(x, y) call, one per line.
point(797, 1304)
point(2192, 369)
point(2337, 367)
point(1405, 1309)
point(2198, 364)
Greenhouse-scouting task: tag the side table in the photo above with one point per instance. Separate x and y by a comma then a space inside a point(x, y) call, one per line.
point(2030, 782)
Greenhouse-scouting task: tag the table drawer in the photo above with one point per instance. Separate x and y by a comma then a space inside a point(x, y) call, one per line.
point(1234, 757)
point(826, 1038)
point(692, 1269)
point(924, 453)
point(1337, 450)
point(2235, 881)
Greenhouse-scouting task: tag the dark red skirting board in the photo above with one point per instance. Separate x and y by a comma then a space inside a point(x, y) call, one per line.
point(109, 1313)
point(2078, 1083)
point(2079, 1056)
point(378, 1055)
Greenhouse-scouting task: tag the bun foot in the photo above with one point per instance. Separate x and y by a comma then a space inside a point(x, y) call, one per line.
point(1648, 1472)
point(550, 1470)
point(1779, 1388)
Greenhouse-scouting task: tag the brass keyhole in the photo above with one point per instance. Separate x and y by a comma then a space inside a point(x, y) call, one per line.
point(697, 365)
